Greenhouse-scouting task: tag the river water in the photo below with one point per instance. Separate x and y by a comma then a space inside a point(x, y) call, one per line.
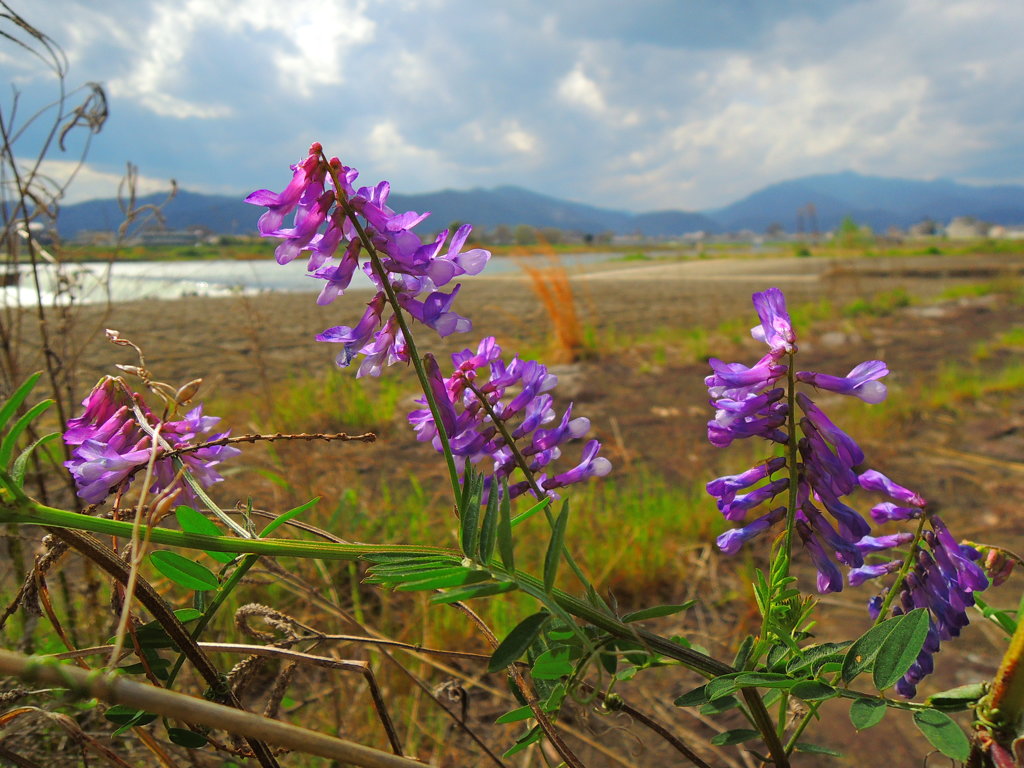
point(92, 282)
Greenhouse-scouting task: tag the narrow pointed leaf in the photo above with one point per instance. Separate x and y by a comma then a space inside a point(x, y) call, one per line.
point(442, 579)
point(284, 517)
point(694, 698)
point(489, 527)
point(816, 749)
point(554, 553)
point(943, 733)
point(11, 438)
point(657, 611)
point(505, 543)
point(517, 641)
point(470, 519)
point(735, 736)
point(474, 590)
point(522, 518)
point(20, 464)
point(515, 716)
point(900, 649)
point(16, 399)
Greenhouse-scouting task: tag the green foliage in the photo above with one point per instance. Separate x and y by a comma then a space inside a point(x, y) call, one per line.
point(943, 733)
point(865, 713)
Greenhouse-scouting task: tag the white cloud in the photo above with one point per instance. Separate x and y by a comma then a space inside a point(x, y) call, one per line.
point(581, 91)
point(88, 182)
point(312, 38)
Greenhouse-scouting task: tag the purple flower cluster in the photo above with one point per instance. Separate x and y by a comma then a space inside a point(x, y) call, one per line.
point(518, 394)
point(943, 580)
point(413, 269)
point(109, 445)
point(753, 402)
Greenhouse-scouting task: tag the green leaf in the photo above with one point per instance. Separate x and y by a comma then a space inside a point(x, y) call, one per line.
point(505, 543)
point(554, 553)
point(553, 664)
point(959, 698)
point(743, 652)
point(900, 649)
point(284, 517)
point(522, 518)
point(943, 733)
point(122, 715)
point(816, 749)
point(517, 641)
point(532, 736)
point(182, 571)
point(723, 685)
point(489, 528)
point(186, 738)
point(21, 463)
point(694, 698)
point(468, 530)
point(718, 706)
point(813, 690)
point(157, 666)
point(406, 572)
point(862, 654)
point(192, 521)
point(814, 657)
point(515, 716)
point(11, 438)
point(16, 399)
point(467, 485)
point(446, 577)
point(764, 680)
point(474, 590)
point(865, 713)
point(735, 736)
point(657, 612)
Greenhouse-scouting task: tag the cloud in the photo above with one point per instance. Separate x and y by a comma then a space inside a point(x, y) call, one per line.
point(660, 105)
point(87, 182)
point(579, 90)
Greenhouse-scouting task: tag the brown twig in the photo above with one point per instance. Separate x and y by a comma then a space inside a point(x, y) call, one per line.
point(107, 560)
point(254, 728)
point(528, 693)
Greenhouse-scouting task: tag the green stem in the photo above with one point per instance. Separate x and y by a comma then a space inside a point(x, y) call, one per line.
point(223, 593)
point(392, 297)
point(524, 465)
point(812, 710)
point(908, 561)
point(26, 511)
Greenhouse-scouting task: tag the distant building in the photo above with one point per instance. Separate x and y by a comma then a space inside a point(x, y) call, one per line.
point(171, 237)
point(95, 237)
point(924, 228)
point(1015, 232)
point(966, 228)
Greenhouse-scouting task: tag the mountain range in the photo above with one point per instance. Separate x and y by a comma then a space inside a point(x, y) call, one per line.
point(879, 202)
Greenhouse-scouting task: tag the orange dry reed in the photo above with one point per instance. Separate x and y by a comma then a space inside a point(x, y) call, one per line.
point(553, 288)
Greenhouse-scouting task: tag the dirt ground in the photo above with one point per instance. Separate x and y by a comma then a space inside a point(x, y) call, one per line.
point(650, 410)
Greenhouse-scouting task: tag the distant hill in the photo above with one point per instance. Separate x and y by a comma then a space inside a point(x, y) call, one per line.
point(877, 201)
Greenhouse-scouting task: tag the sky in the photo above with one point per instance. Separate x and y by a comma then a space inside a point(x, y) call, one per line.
point(640, 106)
